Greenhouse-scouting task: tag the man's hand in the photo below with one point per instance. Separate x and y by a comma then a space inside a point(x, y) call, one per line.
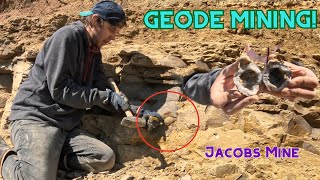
point(153, 118)
point(118, 101)
point(302, 84)
point(225, 95)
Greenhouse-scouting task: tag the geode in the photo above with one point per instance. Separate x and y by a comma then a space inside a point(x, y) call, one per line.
point(248, 77)
point(276, 75)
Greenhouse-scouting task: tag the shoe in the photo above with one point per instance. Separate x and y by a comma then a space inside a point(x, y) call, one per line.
point(5, 151)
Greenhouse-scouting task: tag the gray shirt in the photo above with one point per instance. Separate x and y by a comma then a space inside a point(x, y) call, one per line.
point(54, 90)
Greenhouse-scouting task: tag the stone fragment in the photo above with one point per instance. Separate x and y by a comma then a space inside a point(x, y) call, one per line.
point(313, 118)
point(298, 126)
point(226, 169)
point(141, 60)
point(155, 81)
point(202, 67)
point(186, 177)
point(311, 148)
point(169, 120)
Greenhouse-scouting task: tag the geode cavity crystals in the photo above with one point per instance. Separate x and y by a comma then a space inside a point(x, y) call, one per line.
point(276, 76)
point(248, 77)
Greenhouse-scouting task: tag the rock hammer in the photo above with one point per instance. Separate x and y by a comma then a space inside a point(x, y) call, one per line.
point(130, 120)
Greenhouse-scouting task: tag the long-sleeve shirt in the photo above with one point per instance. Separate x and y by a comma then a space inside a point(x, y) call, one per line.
point(55, 90)
point(197, 87)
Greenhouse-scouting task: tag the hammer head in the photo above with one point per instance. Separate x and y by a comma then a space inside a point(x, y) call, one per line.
point(130, 122)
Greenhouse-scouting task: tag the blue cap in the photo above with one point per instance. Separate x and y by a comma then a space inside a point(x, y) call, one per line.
point(107, 10)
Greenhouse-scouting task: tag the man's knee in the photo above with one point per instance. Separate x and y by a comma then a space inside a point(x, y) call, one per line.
point(108, 161)
point(104, 160)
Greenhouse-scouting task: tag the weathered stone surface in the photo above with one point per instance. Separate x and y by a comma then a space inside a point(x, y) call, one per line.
point(58, 20)
point(259, 122)
point(141, 60)
point(169, 120)
point(237, 176)
point(100, 125)
point(202, 67)
point(30, 54)
point(298, 126)
point(225, 170)
point(291, 141)
point(131, 79)
point(6, 83)
point(169, 82)
point(315, 133)
point(190, 58)
point(313, 118)
point(127, 153)
point(316, 57)
point(10, 49)
point(157, 74)
point(20, 70)
point(171, 61)
point(3, 98)
point(311, 148)
point(268, 108)
point(231, 52)
point(181, 73)
point(127, 177)
point(169, 109)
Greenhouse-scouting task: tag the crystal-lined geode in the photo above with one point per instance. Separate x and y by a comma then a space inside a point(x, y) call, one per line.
point(276, 75)
point(248, 77)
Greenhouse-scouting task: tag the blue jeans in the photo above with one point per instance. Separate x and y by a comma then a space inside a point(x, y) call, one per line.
point(40, 146)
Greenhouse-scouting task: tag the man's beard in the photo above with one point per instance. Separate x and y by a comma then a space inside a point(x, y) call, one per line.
point(95, 39)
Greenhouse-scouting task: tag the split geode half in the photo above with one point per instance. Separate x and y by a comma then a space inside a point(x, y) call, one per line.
point(248, 77)
point(276, 75)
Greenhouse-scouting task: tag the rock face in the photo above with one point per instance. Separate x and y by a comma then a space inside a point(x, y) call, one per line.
point(20, 69)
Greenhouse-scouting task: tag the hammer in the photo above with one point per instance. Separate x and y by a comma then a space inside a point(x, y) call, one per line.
point(130, 120)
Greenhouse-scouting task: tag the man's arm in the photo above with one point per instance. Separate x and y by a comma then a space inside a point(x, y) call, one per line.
point(60, 61)
point(222, 91)
point(197, 87)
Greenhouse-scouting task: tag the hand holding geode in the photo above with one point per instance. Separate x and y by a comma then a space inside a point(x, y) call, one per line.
point(276, 75)
point(248, 77)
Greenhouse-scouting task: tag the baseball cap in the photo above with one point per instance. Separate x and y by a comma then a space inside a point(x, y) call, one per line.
point(107, 10)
